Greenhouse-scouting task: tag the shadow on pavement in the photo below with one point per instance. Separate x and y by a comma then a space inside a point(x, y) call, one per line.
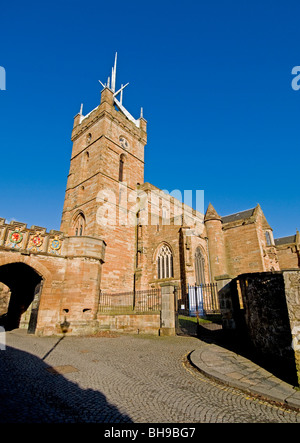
point(213, 333)
point(31, 391)
point(284, 370)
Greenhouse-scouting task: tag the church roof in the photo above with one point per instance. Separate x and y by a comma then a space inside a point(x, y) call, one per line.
point(285, 240)
point(238, 216)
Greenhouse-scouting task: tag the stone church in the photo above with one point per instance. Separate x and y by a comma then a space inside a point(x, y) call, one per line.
point(119, 234)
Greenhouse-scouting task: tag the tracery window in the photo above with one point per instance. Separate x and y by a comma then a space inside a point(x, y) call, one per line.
point(199, 267)
point(165, 263)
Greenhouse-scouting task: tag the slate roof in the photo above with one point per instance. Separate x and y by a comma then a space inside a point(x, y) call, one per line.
point(238, 216)
point(285, 240)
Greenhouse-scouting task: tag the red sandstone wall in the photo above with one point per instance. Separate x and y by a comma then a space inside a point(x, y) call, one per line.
point(243, 249)
point(288, 257)
point(94, 188)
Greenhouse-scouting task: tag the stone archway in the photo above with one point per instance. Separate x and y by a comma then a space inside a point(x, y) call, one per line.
point(25, 284)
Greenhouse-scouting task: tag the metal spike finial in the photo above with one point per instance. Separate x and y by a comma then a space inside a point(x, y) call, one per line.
point(121, 95)
point(111, 84)
point(104, 86)
point(114, 74)
point(120, 91)
point(80, 113)
point(111, 81)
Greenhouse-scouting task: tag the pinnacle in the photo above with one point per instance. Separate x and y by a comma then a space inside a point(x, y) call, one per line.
point(211, 213)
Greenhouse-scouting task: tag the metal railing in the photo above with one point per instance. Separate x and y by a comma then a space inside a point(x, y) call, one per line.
point(129, 302)
point(198, 299)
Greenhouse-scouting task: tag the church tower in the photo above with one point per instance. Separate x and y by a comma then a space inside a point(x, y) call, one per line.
point(107, 164)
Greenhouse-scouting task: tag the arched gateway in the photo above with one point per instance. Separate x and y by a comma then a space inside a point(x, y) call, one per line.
point(47, 274)
point(25, 286)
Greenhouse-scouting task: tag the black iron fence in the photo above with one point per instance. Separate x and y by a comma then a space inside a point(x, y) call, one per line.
point(198, 300)
point(129, 302)
point(192, 301)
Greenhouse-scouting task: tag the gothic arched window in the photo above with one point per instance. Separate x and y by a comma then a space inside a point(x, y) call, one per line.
point(79, 225)
point(199, 267)
point(165, 263)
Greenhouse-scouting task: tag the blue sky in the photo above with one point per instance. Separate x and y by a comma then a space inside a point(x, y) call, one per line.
point(214, 80)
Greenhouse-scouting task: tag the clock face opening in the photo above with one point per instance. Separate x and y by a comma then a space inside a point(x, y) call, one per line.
point(123, 142)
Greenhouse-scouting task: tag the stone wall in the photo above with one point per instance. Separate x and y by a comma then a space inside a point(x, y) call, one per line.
point(69, 267)
point(292, 293)
point(264, 309)
point(288, 256)
point(252, 254)
point(266, 314)
point(181, 229)
point(4, 298)
point(130, 323)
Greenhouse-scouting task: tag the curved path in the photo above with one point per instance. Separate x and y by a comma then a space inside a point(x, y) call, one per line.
point(118, 379)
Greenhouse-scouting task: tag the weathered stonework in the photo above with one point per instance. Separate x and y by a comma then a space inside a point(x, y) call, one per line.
point(288, 251)
point(292, 294)
point(113, 230)
point(4, 298)
point(132, 323)
point(264, 309)
point(69, 267)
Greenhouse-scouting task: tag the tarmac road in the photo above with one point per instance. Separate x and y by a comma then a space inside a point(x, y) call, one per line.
point(118, 379)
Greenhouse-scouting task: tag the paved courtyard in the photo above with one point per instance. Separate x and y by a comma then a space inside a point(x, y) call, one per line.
point(117, 379)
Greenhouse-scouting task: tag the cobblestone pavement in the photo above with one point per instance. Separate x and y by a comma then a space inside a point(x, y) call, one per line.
point(118, 379)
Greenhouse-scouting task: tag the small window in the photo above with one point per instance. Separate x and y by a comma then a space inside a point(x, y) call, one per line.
point(269, 238)
point(121, 168)
point(85, 165)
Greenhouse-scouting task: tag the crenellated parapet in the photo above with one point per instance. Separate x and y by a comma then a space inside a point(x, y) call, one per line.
point(17, 236)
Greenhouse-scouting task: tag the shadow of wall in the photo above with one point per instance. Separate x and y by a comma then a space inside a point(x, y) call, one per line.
point(34, 392)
